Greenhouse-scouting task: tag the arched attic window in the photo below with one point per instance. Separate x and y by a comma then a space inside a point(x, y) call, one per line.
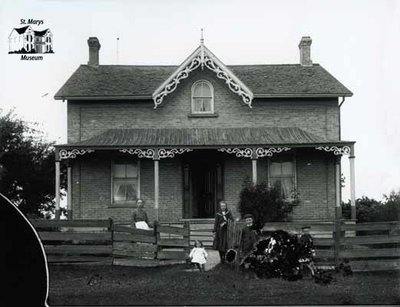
point(202, 97)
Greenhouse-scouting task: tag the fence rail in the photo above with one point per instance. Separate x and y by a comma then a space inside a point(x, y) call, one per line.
point(368, 246)
point(77, 241)
point(162, 245)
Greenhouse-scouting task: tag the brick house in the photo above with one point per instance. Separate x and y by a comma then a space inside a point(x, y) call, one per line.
point(183, 137)
point(25, 39)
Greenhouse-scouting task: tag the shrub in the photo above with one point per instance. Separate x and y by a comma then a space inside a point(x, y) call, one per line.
point(371, 210)
point(264, 203)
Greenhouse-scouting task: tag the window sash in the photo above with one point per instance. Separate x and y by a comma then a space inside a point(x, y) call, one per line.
point(125, 190)
point(125, 182)
point(283, 174)
point(286, 185)
point(202, 105)
point(202, 98)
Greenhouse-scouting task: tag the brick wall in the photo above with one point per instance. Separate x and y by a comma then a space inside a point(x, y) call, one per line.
point(92, 189)
point(92, 196)
point(316, 185)
point(89, 118)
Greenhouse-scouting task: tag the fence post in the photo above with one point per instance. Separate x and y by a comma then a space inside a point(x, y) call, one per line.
point(337, 238)
point(111, 229)
point(187, 225)
point(157, 236)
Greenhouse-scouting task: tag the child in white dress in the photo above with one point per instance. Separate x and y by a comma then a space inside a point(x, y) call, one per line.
point(198, 255)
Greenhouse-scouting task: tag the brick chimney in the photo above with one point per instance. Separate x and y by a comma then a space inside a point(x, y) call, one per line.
point(94, 47)
point(305, 51)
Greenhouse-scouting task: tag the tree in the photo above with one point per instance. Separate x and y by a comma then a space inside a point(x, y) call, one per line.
point(391, 208)
point(371, 210)
point(26, 166)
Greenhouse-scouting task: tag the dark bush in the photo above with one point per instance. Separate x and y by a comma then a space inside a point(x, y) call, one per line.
point(264, 203)
point(371, 210)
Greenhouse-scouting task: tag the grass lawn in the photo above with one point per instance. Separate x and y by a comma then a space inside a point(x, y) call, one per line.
point(116, 285)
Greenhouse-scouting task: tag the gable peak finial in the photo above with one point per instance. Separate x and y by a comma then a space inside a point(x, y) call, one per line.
point(202, 37)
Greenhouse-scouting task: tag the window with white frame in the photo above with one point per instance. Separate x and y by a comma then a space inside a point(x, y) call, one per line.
point(125, 182)
point(282, 174)
point(202, 97)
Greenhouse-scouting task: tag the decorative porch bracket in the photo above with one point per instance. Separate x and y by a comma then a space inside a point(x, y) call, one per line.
point(71, 154)
point(254, 153)
point(339, 151)
point(269, 152)
point(345, 150)
point(239, 152)
point(155, 154)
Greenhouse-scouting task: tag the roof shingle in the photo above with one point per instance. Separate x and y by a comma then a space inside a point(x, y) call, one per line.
point(264, 80)
point(193, 137)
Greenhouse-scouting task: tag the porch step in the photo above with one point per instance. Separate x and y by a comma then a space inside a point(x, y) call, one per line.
point(202, 230)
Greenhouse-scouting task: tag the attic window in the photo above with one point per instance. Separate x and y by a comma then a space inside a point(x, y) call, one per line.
point(202, 98)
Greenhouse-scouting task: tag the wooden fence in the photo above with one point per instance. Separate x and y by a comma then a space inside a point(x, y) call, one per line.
point(101, 242)
point(202, 229)
point(367, 246)
point(77, 241)
point(165, 244)
point(370, 246)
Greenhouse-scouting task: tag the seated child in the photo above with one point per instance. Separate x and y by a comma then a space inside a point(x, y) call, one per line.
point(198, 256)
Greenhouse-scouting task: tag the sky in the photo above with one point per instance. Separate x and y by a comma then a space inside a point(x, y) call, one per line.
point(358, 42)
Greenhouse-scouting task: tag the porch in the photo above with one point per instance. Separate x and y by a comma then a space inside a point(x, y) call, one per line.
point(203, 166)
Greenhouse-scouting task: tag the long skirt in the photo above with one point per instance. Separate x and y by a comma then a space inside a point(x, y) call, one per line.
point(221, 239)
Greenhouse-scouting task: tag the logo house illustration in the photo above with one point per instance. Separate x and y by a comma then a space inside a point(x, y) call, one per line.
point(26, 40)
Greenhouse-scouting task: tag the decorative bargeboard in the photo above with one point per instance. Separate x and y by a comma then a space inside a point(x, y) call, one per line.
point(204, 58)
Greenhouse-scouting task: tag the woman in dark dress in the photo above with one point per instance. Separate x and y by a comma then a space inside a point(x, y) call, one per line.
point(221, 230)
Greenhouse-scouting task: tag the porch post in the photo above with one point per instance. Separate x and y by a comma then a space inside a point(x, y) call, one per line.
point(156, 186)
point(57, 213)
point(352, 184)
point(338, 188)
point(69, 191)
point(254, 172)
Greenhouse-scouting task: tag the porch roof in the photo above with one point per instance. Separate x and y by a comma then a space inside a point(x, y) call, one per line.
point(202, 138)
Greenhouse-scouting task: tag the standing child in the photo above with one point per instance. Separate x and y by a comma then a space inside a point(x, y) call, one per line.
point(249, 238)
point(306, 250)
point(198, 255)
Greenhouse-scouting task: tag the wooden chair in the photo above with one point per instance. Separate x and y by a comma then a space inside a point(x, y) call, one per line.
point(234, 240)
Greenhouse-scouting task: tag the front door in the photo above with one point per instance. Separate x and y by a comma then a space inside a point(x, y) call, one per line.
point(202, 185)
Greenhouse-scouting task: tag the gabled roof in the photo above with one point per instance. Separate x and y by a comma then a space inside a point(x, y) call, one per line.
point(21, 30)
point(201, 137)
point(204, 58)
point(139, 82)
point(41, 33)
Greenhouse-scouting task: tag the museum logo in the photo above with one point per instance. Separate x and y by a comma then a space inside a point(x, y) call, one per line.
point(29, 42)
